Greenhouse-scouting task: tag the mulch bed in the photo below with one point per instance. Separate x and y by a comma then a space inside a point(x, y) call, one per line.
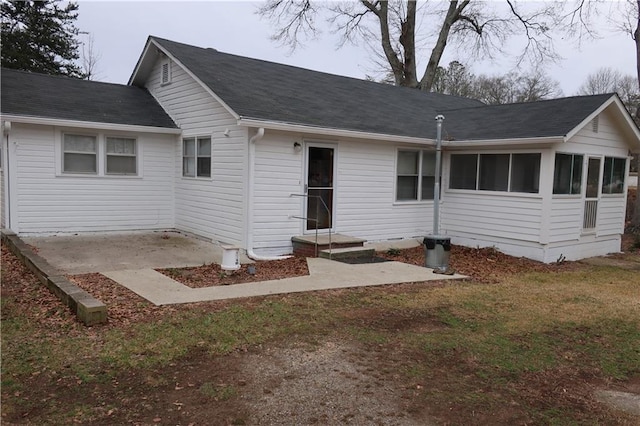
point(481, 264)
point(213, 275)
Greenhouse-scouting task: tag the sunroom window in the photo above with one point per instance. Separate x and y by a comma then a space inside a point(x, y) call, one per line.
point(613, 179)
point(567, 174)
point(79, 154)
point(415, 175)
point(496, 172)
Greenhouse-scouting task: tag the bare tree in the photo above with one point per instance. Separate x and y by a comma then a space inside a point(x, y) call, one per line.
point(89, 58)
point(605, 80)
point(392, 29)
point(456, 79)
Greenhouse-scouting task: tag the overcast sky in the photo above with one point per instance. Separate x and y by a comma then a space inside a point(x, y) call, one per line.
point(120, 29)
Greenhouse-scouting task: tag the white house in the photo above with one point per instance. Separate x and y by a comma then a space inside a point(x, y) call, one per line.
point(253, 153)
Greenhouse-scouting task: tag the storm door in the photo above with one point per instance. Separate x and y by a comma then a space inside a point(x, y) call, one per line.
point(319, 187)
point(591, 195)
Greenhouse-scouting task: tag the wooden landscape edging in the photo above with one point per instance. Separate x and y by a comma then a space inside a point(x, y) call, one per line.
point(88, 309)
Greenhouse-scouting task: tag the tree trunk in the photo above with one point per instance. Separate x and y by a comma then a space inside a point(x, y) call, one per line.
point(453, 14)
point(383, 16)
point(408, 42)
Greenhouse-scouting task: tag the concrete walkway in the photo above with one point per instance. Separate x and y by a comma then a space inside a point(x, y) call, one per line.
point(323, 275)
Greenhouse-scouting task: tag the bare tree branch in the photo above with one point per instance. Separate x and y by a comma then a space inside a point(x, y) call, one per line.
point(293, 18)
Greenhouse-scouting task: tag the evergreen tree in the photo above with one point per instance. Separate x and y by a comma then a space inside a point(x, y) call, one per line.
point(40, 36)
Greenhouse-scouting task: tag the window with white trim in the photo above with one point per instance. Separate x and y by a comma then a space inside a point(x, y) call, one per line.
point(121, 156)
point(415, 177)
point(496, 172)
point(165, 71)
point(567, 174)
point(79, 154)
point(613, 179)
point(196, 157)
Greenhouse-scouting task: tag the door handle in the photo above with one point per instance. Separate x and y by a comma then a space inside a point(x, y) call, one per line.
point(306, 188)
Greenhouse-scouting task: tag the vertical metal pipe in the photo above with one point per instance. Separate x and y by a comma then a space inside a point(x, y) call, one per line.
point(436, 186)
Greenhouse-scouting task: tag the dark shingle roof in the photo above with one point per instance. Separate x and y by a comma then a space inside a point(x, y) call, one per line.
point(39, 95)
point(269, 91)
point(555, 117)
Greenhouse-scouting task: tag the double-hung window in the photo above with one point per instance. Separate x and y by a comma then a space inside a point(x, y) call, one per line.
point(196, 157)
point(496, 172)
point(567, 174)
point(121, 156)
point(613, 179)
point(80, 154)
point(415, 177)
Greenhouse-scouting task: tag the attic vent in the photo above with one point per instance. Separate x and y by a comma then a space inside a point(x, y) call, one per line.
point(594, 125)
point(165, 78)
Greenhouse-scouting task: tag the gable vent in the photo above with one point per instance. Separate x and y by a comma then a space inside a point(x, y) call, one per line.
point(166, 72)
point(594, 125)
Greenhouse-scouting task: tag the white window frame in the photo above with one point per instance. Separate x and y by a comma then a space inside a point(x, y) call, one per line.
point(582, 175)
point(508, 191)
point(605, 191)
point(95, 153)
point(101, 154)
point(419, 176)
point(107, 154)
point(196, 155)
point(165, 64)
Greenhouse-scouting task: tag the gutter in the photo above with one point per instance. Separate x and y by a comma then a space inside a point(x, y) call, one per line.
point(60, 122)
point(317, 130)
point(550, 140)
point(251, 174)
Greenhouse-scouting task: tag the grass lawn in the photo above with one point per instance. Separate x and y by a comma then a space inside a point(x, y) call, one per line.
point(532, 348)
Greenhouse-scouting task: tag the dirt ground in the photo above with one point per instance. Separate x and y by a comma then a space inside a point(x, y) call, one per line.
point(323, 381)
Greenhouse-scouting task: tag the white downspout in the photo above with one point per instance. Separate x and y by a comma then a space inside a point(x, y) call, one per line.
point(250, 178)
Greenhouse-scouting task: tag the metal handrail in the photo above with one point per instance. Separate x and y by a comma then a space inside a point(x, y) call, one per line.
point(316, 220)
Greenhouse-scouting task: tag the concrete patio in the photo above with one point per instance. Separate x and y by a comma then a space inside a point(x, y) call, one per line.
point(131, 260)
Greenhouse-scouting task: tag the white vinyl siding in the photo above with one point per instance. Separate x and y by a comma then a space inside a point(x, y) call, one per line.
point(480, 214)
point(48, 202)
point(212, 208)
point(566, 219)
point(365, 193)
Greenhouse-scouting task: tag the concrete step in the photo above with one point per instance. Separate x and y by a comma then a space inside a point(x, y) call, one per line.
point(305, 245)
point(347, 252)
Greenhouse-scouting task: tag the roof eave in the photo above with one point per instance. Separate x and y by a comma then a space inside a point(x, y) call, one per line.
point(27, 119)
point(547, 140)
point(136, 75)
point(328, 131)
